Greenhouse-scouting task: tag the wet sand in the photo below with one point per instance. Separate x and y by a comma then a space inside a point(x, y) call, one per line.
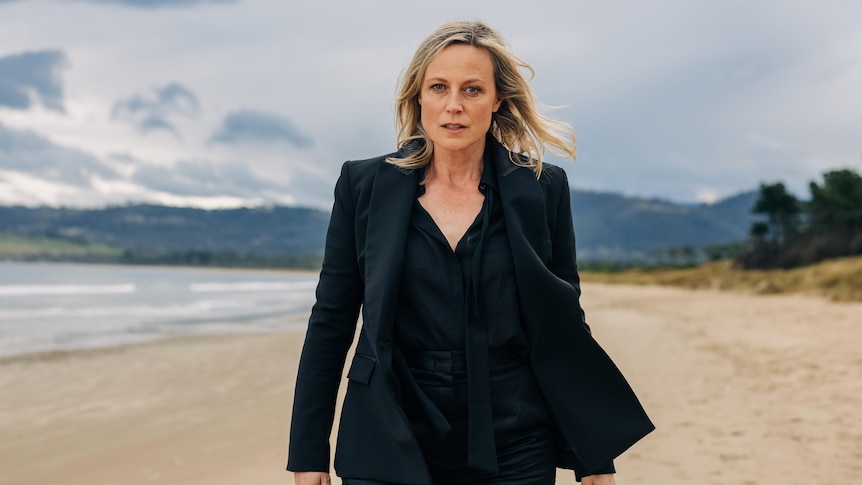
point(743, 389)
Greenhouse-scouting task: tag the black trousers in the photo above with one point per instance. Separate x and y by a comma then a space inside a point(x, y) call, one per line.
point(523, 427)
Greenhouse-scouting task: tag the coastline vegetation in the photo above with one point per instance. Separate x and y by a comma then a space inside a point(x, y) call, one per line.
point(802, 232)
point(837, 279)
point(801, 246)
point(25, 248)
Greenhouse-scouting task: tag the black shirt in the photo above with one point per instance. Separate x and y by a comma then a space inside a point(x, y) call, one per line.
point(435, 283)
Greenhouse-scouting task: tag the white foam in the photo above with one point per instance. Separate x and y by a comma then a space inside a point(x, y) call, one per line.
point(200, 307)
point(41, 290)
point(252, 286)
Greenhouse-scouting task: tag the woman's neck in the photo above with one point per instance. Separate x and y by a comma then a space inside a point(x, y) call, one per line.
point(456, 169)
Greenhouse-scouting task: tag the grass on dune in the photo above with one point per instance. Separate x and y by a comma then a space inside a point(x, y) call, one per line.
point(837, 279)
point(23, 248)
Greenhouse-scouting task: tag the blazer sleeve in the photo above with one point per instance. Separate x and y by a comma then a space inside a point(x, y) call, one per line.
point(565, 266)
point(331, 328)
point(564, 262)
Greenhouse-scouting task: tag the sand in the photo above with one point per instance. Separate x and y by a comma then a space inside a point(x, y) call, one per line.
point(743, 390)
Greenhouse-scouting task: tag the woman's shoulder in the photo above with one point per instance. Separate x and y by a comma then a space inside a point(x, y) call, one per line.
point(371, 165)
point(362, 174)
point(363, 170)
point(553, 170)
point(367, 164)
point(553, 176)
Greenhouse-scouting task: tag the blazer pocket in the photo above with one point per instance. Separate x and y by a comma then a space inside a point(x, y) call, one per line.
point(361, 368)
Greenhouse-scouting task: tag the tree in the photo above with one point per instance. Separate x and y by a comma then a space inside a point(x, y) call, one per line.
point(837, 205)
point(795, 234)
point(759, 230)
point(782, 211)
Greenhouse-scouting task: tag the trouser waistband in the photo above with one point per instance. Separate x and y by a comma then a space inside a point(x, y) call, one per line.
point(454, 362)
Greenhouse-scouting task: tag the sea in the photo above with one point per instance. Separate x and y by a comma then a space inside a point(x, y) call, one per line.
point(54, 306)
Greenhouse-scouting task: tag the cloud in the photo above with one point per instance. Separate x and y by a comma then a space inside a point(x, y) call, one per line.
point(684, 100)
point(151, 112)
point(253, 126)
point(34, 170)
point(29, 153)
point(206, 179)
point(149, 3)
point(30, 75)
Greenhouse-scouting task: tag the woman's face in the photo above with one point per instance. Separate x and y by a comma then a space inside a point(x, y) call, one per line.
point(458, 96)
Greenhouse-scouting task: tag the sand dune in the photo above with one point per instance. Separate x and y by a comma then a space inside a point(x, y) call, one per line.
point(743, 389)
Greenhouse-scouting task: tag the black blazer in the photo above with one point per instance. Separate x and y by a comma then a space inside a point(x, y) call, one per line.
point(594, 407)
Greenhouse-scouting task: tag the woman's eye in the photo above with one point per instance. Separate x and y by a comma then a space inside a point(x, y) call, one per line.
point(437, 87)
point(472, 90)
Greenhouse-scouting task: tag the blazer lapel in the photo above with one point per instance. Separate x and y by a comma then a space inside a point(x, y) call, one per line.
point(390, 204)
point(523, 205)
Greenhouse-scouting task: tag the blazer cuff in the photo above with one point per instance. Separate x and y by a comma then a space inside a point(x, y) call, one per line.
point(308, 463)
point(609, 468)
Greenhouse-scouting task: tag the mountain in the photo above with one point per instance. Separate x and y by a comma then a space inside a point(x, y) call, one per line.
point(264, 231)
point(608, 226)
point(619, 228)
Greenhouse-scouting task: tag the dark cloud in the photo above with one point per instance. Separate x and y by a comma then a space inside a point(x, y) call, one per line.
point(29, 153)
point(152, 112)
point(253, 126)
point(205, 179)
point(148, 3)
point(30, 75)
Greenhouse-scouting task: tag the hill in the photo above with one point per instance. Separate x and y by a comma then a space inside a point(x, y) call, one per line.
point(614, 227)
point(609, 227)
point(266, 236)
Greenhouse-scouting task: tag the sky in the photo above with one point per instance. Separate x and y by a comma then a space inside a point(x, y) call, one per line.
point(226, 103)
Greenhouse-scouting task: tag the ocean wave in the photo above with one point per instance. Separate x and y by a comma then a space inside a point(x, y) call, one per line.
point(42, 290)
point(251, 286)
point(201, 307)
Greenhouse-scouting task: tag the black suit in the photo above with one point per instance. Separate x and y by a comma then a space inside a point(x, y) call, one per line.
point(594, 407)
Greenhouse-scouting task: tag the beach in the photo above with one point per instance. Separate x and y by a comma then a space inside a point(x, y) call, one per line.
point(743, 389)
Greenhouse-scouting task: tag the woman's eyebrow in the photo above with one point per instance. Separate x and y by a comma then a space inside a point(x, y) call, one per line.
point(471, 80)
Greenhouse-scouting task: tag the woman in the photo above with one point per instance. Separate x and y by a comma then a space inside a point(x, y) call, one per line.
point(474, 363)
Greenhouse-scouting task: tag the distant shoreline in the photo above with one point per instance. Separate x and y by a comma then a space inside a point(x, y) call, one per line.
point(299, 271)
point(44, 356)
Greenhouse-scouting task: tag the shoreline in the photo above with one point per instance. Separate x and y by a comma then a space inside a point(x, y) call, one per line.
point(299, 271)
point(292, 323)
point(122, 347)
point(741, 388)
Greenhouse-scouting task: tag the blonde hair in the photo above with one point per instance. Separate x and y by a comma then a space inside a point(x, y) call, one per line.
point(517, 125)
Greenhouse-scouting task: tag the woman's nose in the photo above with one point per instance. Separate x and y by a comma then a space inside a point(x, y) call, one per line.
point(453, 102)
